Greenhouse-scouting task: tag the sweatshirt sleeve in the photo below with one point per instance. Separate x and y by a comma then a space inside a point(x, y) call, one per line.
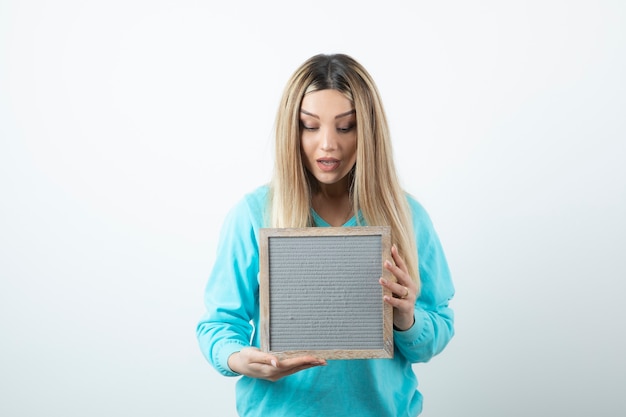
point(434, 319)
point(230, 295)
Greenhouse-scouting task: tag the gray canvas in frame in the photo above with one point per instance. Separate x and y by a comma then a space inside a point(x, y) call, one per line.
point(320, 292)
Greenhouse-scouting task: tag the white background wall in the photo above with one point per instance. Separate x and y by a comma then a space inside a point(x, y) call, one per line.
point(129, 128)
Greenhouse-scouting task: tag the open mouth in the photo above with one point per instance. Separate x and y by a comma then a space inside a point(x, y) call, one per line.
point(328, 164)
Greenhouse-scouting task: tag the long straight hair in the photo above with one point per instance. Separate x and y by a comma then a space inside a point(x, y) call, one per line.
point(375, 189)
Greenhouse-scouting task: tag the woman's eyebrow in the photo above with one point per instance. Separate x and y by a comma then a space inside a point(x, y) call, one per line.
point(348, 113)
point(339, 116)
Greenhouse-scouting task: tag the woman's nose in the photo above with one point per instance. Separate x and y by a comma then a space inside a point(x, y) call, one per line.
point(328, 140)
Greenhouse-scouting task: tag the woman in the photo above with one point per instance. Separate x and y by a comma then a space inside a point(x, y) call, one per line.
point(333, 167)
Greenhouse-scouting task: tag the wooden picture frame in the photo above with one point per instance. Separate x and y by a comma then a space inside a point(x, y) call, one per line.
point(320, 294)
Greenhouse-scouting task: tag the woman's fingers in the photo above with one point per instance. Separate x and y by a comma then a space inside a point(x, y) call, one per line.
point(400, 272)
point(291, 366)
point(299, 361)
point(404, 291)
point(400, 293)
point(398, 259)
point(254, 363)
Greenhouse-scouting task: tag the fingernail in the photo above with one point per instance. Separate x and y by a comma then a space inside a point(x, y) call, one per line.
point(274, 363)
point(383, 280)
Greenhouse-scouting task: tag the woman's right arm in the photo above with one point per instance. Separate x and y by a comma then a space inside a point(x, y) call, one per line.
point(225, 331)
point(231, 293)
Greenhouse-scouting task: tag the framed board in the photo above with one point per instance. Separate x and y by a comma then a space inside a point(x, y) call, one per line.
point(320, 293)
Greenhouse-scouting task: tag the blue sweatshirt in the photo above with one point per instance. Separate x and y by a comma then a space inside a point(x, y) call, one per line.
point(361, 387)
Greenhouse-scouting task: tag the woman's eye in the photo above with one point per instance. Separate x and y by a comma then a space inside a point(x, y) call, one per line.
point(345, 129)
point(309, 128)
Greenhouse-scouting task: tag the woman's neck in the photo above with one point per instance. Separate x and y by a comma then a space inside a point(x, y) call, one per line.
point(333, 204)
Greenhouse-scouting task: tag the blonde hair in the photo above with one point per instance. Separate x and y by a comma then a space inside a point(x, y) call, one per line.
point(375, 189)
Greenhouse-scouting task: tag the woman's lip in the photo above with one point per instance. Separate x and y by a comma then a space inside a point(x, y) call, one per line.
point(328, 164)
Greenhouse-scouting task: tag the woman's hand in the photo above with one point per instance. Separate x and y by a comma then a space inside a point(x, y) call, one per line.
point(404, 292)
point(256, 364)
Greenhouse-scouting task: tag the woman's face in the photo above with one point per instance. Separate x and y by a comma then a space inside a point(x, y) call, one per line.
point(328, 136)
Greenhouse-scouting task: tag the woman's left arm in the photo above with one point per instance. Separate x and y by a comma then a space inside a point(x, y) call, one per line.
point(424, 323)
